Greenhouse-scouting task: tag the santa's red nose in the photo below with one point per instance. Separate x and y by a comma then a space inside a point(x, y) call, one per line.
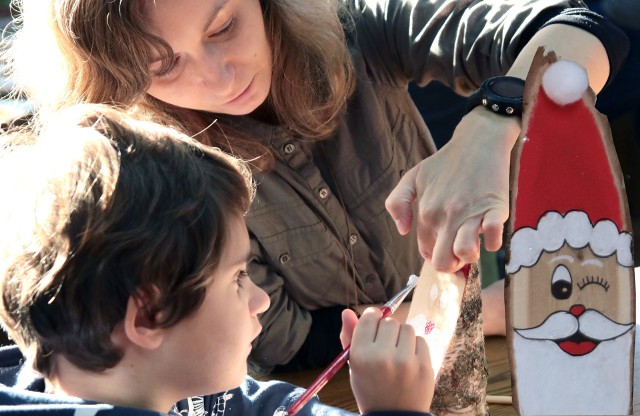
point(577, 310)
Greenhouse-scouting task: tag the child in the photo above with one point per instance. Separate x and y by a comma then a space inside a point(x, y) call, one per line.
point(123, 259)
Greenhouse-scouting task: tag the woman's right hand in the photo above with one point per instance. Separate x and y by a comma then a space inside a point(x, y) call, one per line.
point(390, 366)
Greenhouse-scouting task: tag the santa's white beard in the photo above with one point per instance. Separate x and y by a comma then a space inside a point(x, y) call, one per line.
point(552, 382)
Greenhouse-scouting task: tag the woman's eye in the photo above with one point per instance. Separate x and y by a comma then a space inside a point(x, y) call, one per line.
point(225, 30)
point(165, 72)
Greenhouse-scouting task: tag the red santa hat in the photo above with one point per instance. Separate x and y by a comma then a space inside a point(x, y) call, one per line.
point(569, 192)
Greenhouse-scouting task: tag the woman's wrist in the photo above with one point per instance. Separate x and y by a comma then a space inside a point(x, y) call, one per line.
point(495, 130)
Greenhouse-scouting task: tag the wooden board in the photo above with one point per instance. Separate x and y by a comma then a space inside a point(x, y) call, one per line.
point(445, 310)
point(570, 294)
point(435, 309)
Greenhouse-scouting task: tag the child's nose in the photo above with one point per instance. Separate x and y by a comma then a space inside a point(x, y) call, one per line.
point(260, 301)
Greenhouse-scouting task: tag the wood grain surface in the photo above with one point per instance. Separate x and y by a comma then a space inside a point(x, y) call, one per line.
point(563, 273)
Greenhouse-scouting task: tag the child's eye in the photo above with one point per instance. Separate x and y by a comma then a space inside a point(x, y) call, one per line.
point(226, 29)
point(241, 276)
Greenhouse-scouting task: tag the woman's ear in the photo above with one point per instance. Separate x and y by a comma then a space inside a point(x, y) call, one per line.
point(139, 326)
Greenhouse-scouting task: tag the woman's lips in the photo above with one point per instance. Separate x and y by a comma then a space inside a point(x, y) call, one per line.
point(242, 95)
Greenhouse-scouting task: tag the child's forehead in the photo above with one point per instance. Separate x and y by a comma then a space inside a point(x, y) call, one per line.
point(238, 248)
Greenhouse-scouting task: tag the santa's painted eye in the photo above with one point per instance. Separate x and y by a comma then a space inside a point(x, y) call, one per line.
point(561, 284)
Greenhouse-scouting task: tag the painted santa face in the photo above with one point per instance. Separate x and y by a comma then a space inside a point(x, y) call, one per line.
point(573, 298)
point(572, 336)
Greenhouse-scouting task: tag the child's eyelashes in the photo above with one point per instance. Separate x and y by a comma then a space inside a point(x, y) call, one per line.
point(226, 29)
point(242, 274)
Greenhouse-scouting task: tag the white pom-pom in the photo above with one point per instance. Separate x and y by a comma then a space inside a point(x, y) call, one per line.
point(565, 82)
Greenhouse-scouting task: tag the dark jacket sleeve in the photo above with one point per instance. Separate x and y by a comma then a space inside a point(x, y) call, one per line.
point(460, 43)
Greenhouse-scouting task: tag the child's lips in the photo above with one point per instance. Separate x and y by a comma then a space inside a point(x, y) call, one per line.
point(253, 339)
point(257, 332)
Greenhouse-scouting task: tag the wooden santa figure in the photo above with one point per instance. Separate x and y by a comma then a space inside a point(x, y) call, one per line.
point(570, 289)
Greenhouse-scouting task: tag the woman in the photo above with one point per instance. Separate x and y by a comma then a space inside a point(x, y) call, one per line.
point(315, 96)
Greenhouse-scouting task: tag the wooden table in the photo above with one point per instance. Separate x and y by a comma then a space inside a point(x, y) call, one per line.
point(338, 391)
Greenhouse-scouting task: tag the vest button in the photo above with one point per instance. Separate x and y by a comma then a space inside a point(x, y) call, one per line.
point(285, 258)
point(323, 193)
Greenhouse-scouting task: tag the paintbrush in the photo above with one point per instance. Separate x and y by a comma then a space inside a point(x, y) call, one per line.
point(387, 309)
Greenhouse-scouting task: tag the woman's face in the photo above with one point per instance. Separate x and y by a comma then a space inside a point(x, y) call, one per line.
point(222, 58)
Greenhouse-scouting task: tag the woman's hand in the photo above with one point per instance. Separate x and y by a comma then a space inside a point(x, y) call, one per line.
point(390, 367)
point(459, 192)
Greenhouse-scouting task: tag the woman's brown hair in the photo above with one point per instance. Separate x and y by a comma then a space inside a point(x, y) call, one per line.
point(103, 53)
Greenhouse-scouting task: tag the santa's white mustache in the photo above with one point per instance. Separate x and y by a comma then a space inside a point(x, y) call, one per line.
point(562, 324)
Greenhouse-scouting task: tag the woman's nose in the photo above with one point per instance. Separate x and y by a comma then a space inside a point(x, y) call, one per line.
point(215, 70)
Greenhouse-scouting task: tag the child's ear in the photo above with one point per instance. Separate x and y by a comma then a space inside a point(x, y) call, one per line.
point(140, 327)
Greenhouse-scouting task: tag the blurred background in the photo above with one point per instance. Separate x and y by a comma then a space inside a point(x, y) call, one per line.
point(10, 109)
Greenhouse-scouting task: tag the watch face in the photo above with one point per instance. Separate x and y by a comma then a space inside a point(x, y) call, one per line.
point(508, 87)
point(501, 94)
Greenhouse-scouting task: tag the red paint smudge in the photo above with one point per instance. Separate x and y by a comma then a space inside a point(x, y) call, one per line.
point(430, 326)
point(466, 269)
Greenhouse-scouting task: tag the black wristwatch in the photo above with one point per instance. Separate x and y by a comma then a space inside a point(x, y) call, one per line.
point(502, 95)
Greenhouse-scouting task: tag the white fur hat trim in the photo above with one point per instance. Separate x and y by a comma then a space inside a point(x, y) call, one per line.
point(575, 228)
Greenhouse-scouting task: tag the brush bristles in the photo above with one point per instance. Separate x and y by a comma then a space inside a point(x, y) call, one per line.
point(413, 280)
